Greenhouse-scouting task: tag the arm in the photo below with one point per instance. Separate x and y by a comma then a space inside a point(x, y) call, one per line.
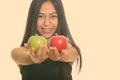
point(70, 54)
point(21, 56)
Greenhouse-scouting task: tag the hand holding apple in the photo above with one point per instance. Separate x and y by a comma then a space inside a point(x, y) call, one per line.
point(36, 41)
point(58, 41)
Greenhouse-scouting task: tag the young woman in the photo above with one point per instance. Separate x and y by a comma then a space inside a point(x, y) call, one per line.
point(46, 18)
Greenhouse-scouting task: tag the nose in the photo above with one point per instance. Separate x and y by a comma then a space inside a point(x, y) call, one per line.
point(47, 21)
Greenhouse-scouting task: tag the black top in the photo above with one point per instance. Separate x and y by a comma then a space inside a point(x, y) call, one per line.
point(47, 70)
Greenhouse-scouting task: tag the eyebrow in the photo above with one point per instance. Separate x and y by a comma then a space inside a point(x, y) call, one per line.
point(50, 13)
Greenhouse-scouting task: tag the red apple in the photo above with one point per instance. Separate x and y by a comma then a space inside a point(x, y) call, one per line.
point(36, 41)
point(60, 42)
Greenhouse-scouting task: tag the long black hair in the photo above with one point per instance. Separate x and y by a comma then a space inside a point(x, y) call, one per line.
point(62, 28)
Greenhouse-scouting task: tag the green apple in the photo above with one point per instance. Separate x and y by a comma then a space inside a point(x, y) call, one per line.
point(36, 41)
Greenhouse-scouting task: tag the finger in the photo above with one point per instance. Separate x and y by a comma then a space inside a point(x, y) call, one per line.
point(49, 52)
point(25, 45)
point(39, 51)
point(43, 56)
point(62, 53)
point(68, 46)
point(56, 55)
point(55, 51)
point(43, 52)
point(32, 52)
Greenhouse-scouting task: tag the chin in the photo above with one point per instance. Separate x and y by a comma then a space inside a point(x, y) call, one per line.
point(47, 36)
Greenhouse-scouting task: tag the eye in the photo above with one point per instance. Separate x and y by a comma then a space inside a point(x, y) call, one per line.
point(53, 16)
point(40, 16)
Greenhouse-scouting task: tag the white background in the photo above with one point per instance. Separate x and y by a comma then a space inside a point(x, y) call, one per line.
point(94, 24)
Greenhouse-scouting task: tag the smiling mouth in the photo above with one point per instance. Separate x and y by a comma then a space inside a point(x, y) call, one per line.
point(47, 30)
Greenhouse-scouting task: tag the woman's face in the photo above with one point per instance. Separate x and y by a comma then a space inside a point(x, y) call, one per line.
point(47, 20)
